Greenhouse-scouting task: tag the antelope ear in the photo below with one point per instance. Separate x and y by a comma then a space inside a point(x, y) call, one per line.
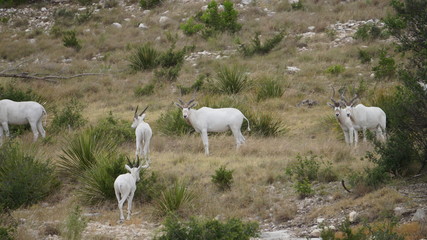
point(127, 167)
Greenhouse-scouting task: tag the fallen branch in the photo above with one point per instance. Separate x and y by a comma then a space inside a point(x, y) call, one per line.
point(49, 78)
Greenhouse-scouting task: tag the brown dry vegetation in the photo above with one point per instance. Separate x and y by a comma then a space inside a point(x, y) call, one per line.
point(260, 163)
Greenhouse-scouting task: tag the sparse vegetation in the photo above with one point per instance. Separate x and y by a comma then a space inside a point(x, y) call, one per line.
point(75, 224)
point(69, 118)
point(257, 47)
point(335, 69)
point(70, 40)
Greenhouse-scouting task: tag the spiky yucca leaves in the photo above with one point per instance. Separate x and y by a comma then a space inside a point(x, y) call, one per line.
point(144, 58)
point(24, 179)
point(231, 80)
point(174, 198)
point(97, 182)
point(266, 125)
point(269, 88)
point(82, 151)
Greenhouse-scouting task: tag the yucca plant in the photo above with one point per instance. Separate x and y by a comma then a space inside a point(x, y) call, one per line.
point(24, 180)
point(174, 198)
point(231, 80)
point(144, 58)
point(267, 126)
point(82, 152)
point(269, 88)
point(97, 182)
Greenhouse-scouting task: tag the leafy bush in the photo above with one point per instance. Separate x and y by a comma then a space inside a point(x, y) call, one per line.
point(232, 229)
point(149, 4)
point(335, 69)
point(75, 224)
point(144, 58)
point(367, 181)
point(16, 94)
point(24, 180)
point(297, 5)
point(266, 125)
point(174, 198)
point(191, 27)
point(172, 123)
point(231, 80)
point(257, 47)
point(168, 74)
point(385, 231)
point(364, 56)
point(304, 168)
point(303, 188)
point(195, 87)
point(70, 117)
point(386, 67)
point(146, 90)
point(112, 127)
point(369, 31)
point(269, 88)
point(223, 178)
point(70, 40)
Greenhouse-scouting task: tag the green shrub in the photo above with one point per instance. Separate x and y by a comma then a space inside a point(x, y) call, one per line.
point(304, 168)
point(146, 90)
point(297, 5)
point(16, 94)
point(174, 198)
point(223, 178)
point(70, 40)
point(386, 67)
point(144, 58)
point(335, 69)
point(370, 31)
point(149, 4)
point(269, 88)
point(232, 229)
point(195, 87)
point(368, 180)
point(24, 180)
point(82, 151)
point(191, 27)
point(266, 125)
point(303, 188)
point(112, 127)
point(231, 80)
point(257, 47)
point(168, 74)
point(75, 224)
point(172, 123)
point(70, 117)
point(84, 16)
point(326, 173)
point(364, 56)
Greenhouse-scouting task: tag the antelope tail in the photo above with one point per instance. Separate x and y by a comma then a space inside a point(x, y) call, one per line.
point(249, 129)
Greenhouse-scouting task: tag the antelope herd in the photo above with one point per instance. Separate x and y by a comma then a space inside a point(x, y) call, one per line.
point(351, 117)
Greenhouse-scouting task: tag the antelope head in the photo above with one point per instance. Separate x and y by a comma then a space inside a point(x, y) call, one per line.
point(336, 105)
point(137, 118)
point(186, 107)
point(349, 105)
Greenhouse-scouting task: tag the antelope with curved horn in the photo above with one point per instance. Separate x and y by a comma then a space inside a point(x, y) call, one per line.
point(345, 123)
point(362, 117)
point(207, 119)
point(143, 134)
point(125, 186)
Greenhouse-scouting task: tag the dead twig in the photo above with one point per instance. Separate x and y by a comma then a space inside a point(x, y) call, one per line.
point(343, 184)
point(49, 78)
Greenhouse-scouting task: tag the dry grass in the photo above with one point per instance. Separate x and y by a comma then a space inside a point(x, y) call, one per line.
point(260, 190)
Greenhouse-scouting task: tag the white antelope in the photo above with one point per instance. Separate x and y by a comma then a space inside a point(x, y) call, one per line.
point(346, 125)
point(362, 117)
point(143, 134)
point(207, 119)
point(125, 186)
point(20, 113)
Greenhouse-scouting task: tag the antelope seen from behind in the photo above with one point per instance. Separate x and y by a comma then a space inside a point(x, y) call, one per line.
point(207, 119)
point(125, 186)
point(143, 134)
